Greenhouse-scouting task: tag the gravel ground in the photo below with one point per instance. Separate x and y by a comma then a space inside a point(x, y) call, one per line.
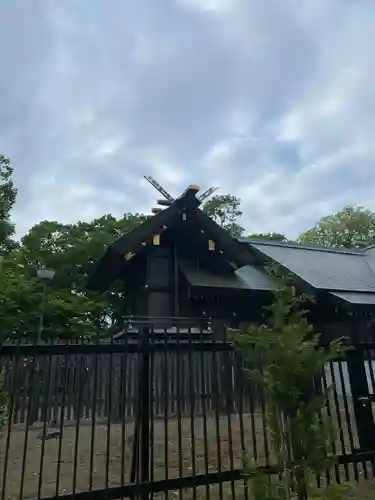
point(173, 463)
point(217, 457)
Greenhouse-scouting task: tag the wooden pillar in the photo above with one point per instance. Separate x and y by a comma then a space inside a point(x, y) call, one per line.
point(158, 282)
point(175, 288)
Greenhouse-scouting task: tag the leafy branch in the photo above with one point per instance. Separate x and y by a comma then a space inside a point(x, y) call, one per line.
point(289, 362)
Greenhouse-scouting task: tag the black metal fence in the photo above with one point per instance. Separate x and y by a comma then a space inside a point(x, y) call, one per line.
point(154, 411)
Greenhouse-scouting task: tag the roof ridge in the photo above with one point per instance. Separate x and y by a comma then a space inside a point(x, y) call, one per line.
point(303, 246)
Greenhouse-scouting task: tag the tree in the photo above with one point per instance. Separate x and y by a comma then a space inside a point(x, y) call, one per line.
point(8, 195)
point(290, 361)
point(269, 236)
point(18, 298)
point(351, 227)
point(7, 198)
point(225, 210)
point(72, 250)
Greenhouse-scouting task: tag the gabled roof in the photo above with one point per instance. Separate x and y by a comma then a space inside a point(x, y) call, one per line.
point(350, 272)
point(114, 260)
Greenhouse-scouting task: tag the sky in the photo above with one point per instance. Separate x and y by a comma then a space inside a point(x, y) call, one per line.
point(272, 101)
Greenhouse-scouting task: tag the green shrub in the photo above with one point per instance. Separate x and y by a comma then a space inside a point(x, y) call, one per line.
point(289, 359)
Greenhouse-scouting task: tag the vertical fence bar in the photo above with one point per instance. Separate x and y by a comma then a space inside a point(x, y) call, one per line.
point(70, 386)
point(52, 389)
point(371, 382)
point(264, 421)
point(123, 406)
point(46, 416)
point(347, 417)
point(87, 391)
point(152, 401)
point(24, 377)
point(78, 418)
point(204, 411)
point(14, 364)
point(30, 393)
point(329, 413)
point(166, 383)
point(93, 415)
point(65, 378)
point(241, 375)
point(99, 404)
point(191, 378)
point(369, 359)
point(145, 407)
point(338, 417)
point(229, 421)
point(215, 387)
point(179, 415)
point(252, 406)
point(109, 414)
point(18, 389)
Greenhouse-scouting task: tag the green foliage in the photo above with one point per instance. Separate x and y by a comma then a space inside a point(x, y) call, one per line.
point(18, 298)
point(289, 361)
point(261, 485)
point(7, 199)
point(225, 210)
point(334, 492)
point(265, 487)
point(351, 227)
point(269, 236)
point(72, 250)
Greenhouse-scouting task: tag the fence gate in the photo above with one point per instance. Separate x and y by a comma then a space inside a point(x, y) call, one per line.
point(155, 410)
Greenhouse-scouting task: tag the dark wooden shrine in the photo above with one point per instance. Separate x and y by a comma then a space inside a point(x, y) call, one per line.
point(179, 263)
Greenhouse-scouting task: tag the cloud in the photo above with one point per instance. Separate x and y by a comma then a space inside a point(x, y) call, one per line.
point(272, 101)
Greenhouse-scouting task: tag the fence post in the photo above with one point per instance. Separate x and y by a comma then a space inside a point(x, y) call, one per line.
point(360, 394)
point(145, 405)
point(140, 468)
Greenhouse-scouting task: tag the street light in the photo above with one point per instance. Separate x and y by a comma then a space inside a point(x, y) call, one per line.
point(44, 274)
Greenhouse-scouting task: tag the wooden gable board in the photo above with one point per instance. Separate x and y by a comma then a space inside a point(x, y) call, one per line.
point(113, 261)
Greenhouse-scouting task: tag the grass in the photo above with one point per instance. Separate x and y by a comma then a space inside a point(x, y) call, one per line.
point(108, 445)
point(361, 491)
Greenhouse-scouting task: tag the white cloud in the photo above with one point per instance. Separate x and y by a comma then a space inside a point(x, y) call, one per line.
point(272, 101)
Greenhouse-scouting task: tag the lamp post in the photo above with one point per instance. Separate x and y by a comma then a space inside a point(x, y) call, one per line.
point(44, 274)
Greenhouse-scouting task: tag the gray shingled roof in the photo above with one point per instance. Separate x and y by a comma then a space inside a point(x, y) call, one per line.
point(356, 298)
point(256, 278)
point(348, 270)
point(203, 278)
point(244, 278)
